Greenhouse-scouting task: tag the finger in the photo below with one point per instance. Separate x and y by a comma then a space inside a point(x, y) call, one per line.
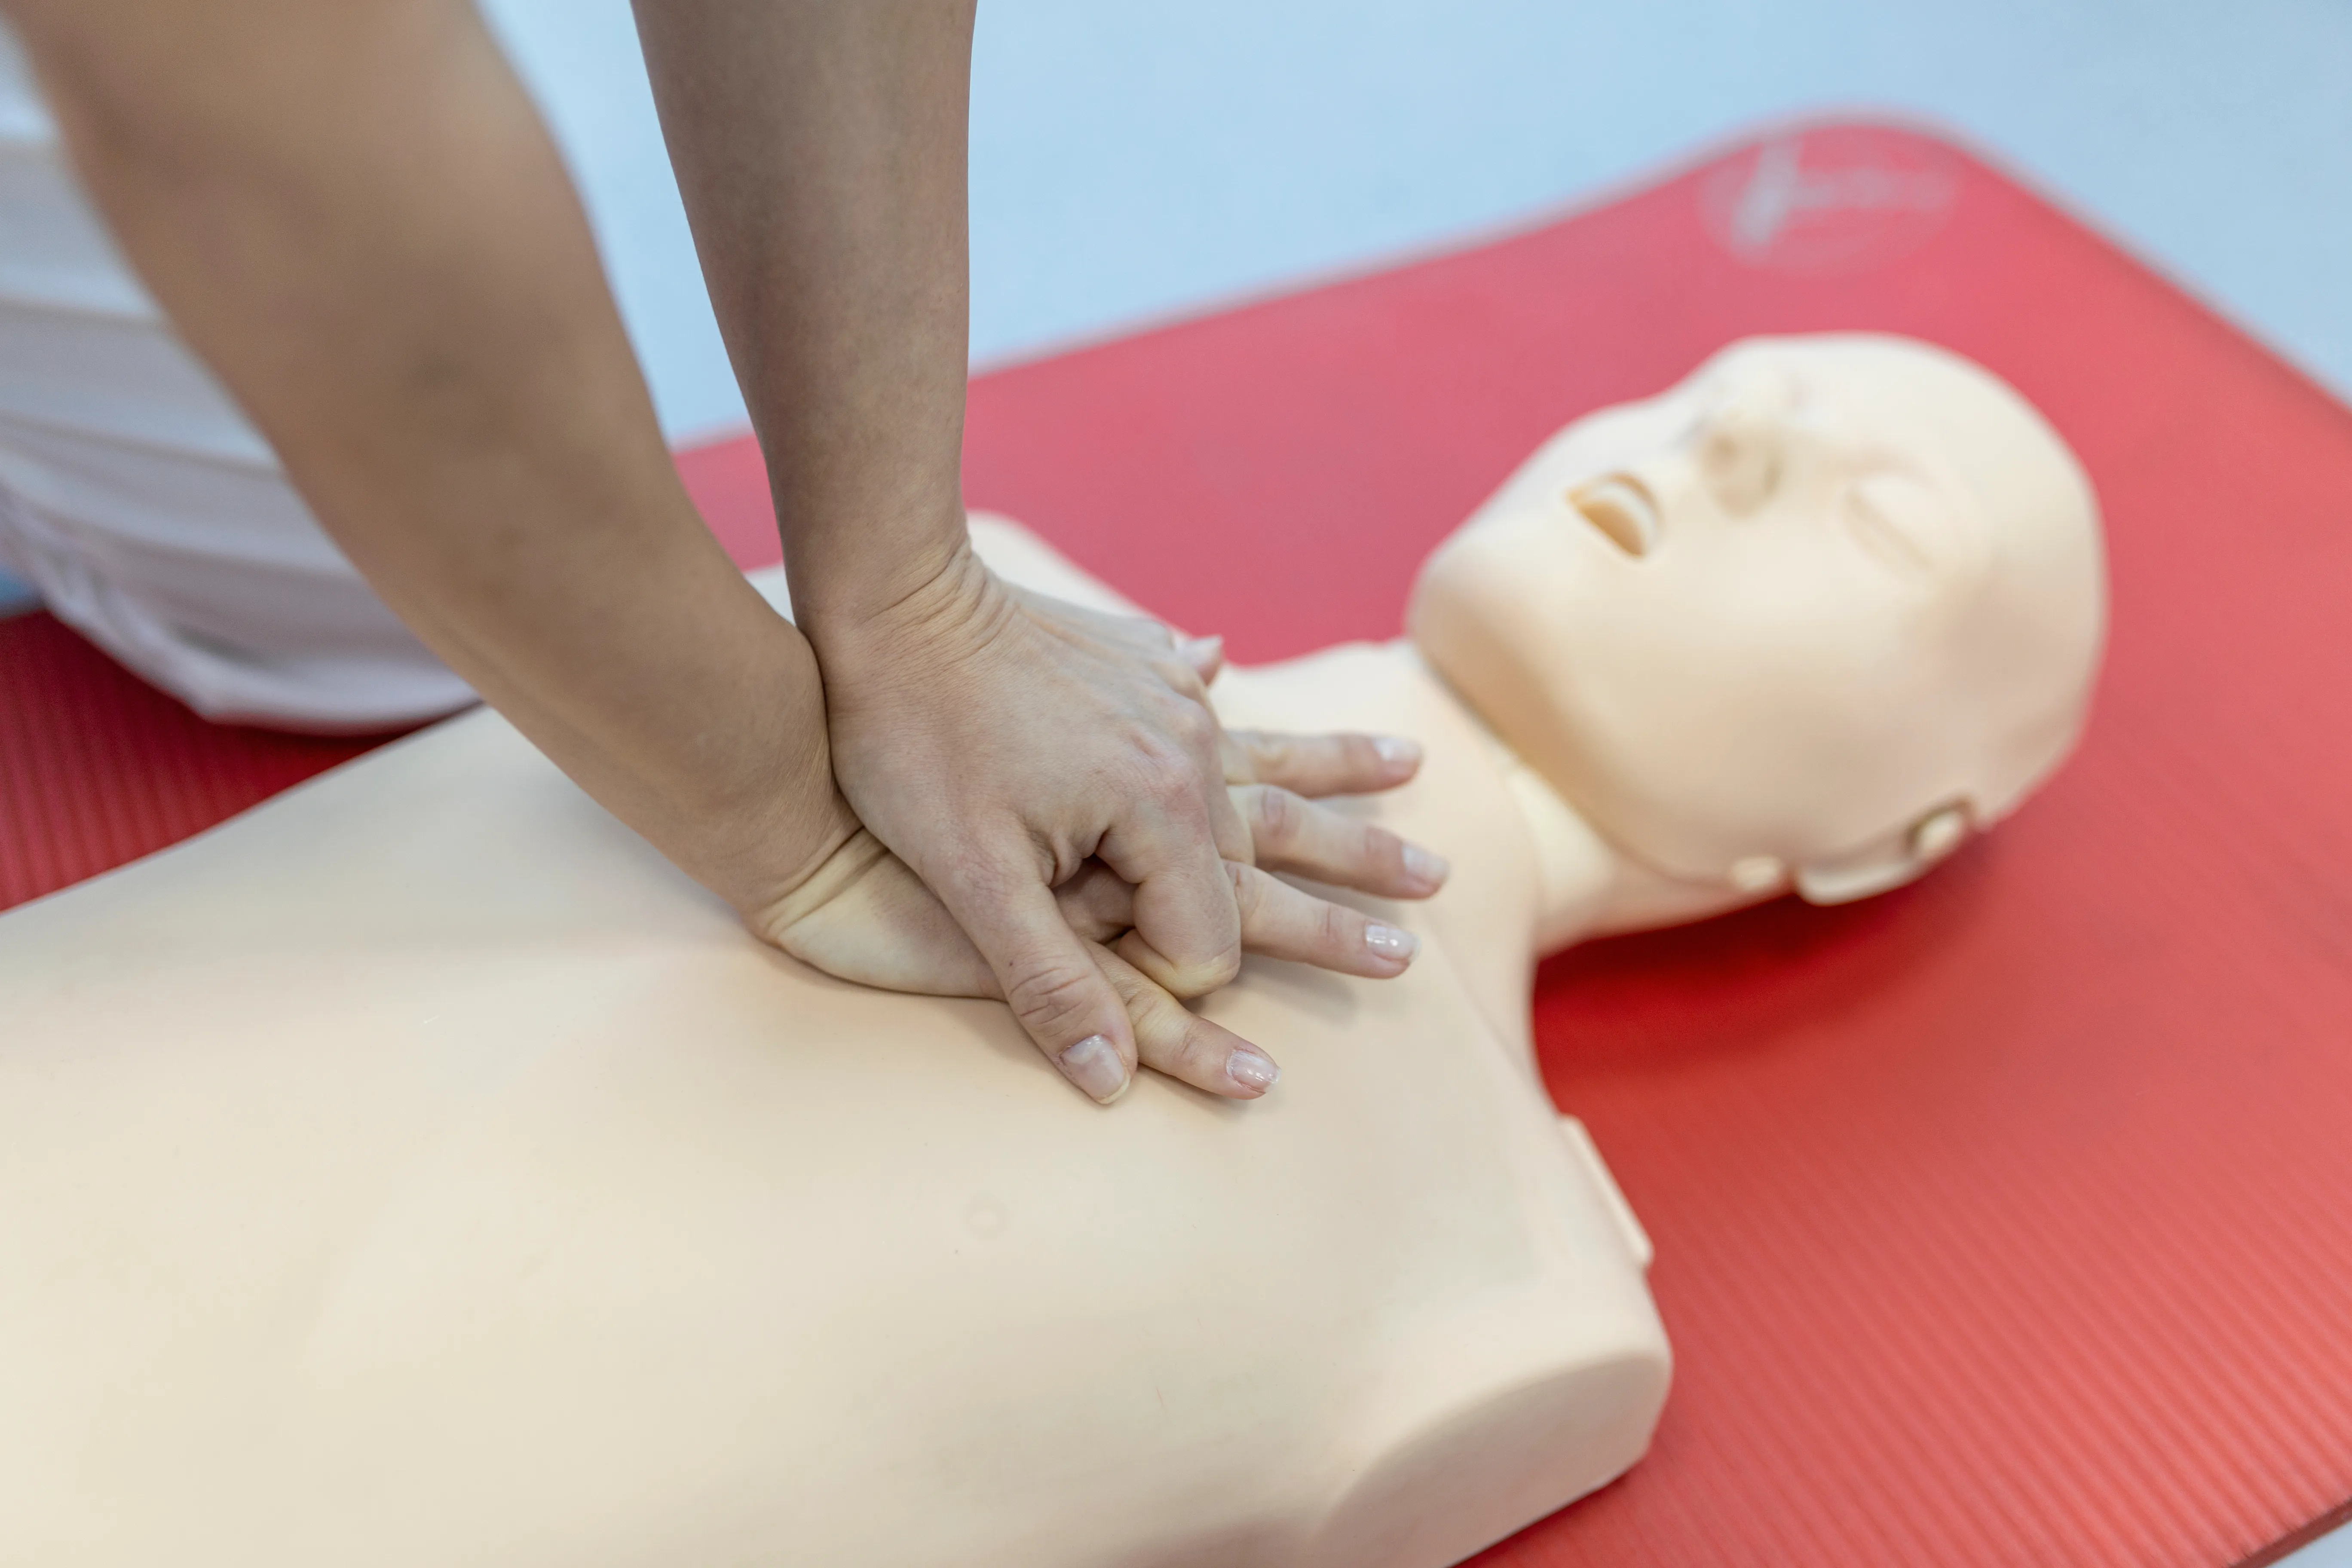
point(1283, 921)
point(1206, 656)
point(1049, 979)
point(1182, 677)
point(1165, 844)
point(1098, 903)
point(1184, 909)
point(1318, 766)
point(1279, 921)
point(1233, 757)
point(1204, 739)
point(1296, 834)
point(1172, 1039)
point(1229, 828)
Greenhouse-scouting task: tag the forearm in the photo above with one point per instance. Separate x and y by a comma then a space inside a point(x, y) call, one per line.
point(352, 212)
point(821, 151)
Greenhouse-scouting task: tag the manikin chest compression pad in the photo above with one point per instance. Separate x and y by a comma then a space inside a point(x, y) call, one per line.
point(2004, 1219)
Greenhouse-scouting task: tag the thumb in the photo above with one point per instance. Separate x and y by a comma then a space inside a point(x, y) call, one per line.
point(1051, 982)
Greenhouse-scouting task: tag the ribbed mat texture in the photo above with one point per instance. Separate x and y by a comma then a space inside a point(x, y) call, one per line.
point(98, 768)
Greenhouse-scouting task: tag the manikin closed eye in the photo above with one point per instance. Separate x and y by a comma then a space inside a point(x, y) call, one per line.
point(1869, 589)
point(1899, 521)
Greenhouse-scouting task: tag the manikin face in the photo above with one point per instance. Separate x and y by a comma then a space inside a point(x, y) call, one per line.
point(1812, 614)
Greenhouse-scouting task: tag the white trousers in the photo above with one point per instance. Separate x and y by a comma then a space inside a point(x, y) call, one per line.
point(140, 503)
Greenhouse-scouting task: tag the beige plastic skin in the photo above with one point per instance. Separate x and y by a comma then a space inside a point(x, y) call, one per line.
point(418, 1169)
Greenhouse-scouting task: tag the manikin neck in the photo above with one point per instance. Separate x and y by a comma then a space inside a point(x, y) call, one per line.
point(1587, 887)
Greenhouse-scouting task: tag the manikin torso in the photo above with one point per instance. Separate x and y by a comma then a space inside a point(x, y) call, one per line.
point(417, 1169)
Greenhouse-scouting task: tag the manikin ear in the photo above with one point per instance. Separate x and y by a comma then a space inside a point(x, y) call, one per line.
point(1887, 864)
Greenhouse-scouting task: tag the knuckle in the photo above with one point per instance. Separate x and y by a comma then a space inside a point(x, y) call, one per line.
point(1170, 779)
point(1252, 890)
point(1152, 768)
point(1136, 992)
point(1201, 1054)
point(1264, 754)
point(1050, 997)
point(1338, 928)
point(1193, 723)
point(1096, 903)
point(979, 877)
point(1172, 786)
point(1202, 976)
point(1275, 816)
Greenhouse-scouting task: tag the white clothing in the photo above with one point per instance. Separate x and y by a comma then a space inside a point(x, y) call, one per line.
point(139, 501)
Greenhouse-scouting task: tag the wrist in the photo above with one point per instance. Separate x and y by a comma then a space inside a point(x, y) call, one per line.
point(757, 810)
point(700, 722)
point(957, 605)
point(850, 587)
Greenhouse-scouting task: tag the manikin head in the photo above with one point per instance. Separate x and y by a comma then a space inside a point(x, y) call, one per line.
point(1805, 620)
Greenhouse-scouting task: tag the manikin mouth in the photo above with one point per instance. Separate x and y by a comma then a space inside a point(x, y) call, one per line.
point(1621, 508)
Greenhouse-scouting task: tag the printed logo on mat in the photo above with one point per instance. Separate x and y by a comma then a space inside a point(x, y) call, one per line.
point(1837, 199)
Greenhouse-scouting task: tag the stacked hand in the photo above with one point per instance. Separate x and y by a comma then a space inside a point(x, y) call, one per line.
point(379, 254)
point(1046, 811)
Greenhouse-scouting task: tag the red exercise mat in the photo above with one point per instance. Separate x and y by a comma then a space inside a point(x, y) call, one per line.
point(2006, 1219)
point(96, 767)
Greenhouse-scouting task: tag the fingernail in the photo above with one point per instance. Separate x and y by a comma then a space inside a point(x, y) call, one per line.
point(1391, 943)
point(1252, 1071)
point(1396, 751)
point(1094, 1065)
point(1424, 867)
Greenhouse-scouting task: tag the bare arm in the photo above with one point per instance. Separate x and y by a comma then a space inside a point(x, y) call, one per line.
point(353, 214)
point(820, 150)
point(995, 742)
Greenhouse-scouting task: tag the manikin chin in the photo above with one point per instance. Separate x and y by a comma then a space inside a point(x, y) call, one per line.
point(418, 1169)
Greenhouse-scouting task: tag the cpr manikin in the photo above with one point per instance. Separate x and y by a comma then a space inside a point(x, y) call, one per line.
point(418, 1169)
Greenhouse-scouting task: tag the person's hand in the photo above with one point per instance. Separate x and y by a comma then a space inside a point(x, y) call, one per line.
point(864, 915)
point(997, 740)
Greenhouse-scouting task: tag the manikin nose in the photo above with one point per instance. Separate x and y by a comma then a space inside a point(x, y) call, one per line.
point(1739, 457)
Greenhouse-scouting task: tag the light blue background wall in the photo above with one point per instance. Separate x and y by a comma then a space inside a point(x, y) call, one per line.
point(1133, 161)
